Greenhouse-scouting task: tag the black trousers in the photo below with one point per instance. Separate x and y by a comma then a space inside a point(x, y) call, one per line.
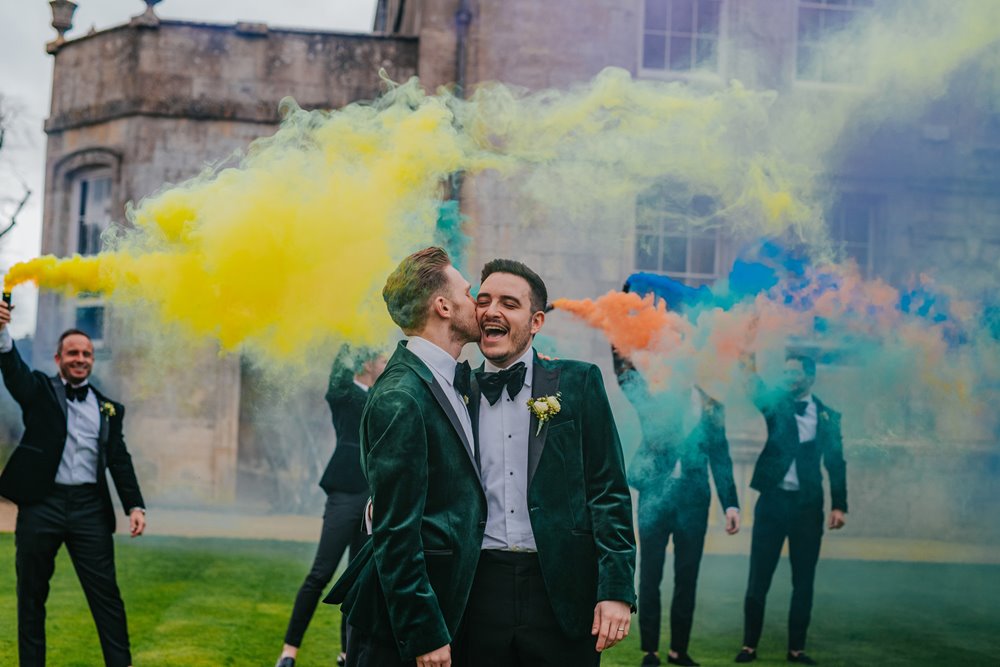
point(658, 520)
point(73, 515)
point(343, 527)
point(779, 515)
point(509, 620)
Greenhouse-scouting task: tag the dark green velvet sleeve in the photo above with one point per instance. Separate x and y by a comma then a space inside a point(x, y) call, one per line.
point(396, 467)
point(608, 495)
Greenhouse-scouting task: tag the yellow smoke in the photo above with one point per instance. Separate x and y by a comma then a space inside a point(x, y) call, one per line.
point(290, 249)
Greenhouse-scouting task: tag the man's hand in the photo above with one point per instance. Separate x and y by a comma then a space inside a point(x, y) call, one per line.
point(612, 620)
point(4, 314)
point(136, 522)
point(837, 520)
point(732, 521)
point(440, 657)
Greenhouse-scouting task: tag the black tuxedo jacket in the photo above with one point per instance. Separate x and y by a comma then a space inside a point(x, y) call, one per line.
point(782, 446)
point(705, 446)
point(30, 472)
point(347, 402)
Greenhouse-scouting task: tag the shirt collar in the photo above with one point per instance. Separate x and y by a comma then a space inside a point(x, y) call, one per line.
point(433, 356)
point(361, 385)
point(529, 361)
point(67, 384)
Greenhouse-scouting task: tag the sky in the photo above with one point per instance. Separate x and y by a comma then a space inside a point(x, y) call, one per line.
point(26, 79)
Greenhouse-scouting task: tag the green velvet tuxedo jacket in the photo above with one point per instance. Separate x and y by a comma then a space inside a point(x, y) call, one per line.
point(410, 583)
point(578, 497)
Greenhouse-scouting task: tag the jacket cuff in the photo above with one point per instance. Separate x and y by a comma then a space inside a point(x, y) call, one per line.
point(423, 642)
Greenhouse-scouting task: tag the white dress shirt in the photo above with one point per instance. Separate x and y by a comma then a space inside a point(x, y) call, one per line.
point(807, 433)
point(83, 427)
point(504, 429)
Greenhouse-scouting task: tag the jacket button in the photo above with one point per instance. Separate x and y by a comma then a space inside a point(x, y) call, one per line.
point(482, 524)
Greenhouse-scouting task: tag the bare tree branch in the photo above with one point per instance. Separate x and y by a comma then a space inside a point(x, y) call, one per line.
point(13, 218)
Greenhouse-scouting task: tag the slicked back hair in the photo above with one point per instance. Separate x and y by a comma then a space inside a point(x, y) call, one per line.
point(411, 286)
point(808, 363)
point(71, 332)
point(539, 295)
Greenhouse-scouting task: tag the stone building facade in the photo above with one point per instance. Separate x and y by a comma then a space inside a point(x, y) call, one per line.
point(149, 103)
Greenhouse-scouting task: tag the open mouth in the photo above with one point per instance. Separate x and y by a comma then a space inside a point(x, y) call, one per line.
point(493, 332)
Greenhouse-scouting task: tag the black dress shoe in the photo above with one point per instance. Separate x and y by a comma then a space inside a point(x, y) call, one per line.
point(287, 661)
point(746, 656)
point(682, 659)
point(801, 659)
point(650, 660)
point(341, 660)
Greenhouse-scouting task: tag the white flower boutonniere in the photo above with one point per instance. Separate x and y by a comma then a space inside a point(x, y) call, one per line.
point(544, 408)
point(108, 408)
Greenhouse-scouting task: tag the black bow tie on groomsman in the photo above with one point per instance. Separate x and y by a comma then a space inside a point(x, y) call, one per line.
point(463, 380)
point(77, 393)
point(492, 384)
point(801, 407)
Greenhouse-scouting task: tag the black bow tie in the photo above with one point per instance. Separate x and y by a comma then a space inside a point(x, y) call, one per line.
point(492, 384)
point(801, 407)
point(77, 393)
point(463, 378)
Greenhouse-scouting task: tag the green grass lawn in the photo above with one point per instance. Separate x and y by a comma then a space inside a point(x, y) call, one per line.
point(202, 602)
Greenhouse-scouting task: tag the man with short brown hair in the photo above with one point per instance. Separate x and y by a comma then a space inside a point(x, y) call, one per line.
point(405, 591)
point(57, 477)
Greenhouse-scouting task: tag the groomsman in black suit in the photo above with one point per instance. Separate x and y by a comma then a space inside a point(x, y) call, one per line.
point(684, 433)
point(57, 478)
point(801, 431)
point(555, 580)
point(347, 493)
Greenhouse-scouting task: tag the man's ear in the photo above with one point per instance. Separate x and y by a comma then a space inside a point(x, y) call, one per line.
point(537, 320)
point(441, 307)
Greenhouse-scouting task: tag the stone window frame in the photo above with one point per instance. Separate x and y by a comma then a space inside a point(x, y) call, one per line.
point(847, 248)
point(661, 221)
point(66, 173)
point(709, 76)
point(823, 8)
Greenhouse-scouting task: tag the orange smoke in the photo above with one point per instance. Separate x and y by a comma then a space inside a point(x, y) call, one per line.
point(631, 323)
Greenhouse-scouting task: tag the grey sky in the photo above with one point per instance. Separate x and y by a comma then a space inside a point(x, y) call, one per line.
point(26, 77)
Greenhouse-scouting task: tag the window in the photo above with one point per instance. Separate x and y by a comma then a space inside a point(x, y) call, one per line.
point(852, 228)
point(91, 209)
point(681, 35)
point(91, 213)
point(819, 20)
point(667, 242)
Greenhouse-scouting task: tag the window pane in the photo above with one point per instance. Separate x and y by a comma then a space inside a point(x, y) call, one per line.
point(675, 254)
point(90, 319)
point(856, 225)
point(703, 254)
point(680, 53)
point(836, 20)
point(654, 51)
point(805, 67)
point(682, 16)
point(705, 54)
point(708, 17)
point(810, 24)
point(647, 251)
point(656, 15)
